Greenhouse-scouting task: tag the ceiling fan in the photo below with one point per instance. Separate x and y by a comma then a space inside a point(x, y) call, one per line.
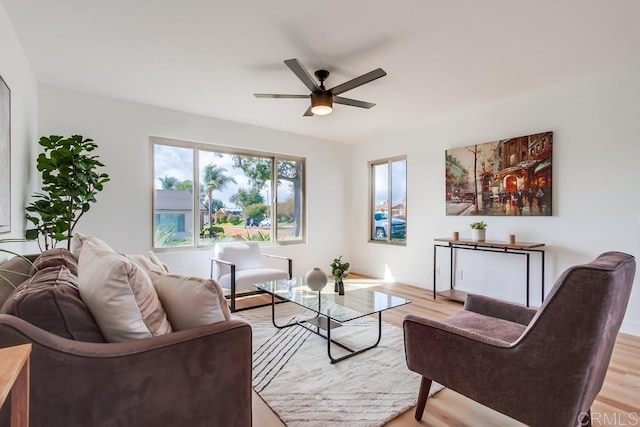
point(322, 99)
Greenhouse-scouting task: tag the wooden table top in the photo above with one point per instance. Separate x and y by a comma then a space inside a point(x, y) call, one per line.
point(490, 243)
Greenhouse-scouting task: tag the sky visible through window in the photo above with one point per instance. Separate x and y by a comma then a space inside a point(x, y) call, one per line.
point(177, 162)
point(398, 183)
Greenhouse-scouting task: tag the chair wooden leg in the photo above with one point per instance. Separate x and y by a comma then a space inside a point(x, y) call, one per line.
point(585, 420)
point(423, 394)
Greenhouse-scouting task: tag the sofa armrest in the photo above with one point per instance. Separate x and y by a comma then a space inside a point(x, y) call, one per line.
point(170, 380)
point(289, 262)
point(500, 309)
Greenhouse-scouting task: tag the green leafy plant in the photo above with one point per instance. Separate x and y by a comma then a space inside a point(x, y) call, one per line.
point(479, 225)
point(7, 251)
point(211, 231)
point(70, 183)
point(163, 235)
point(234, 219)
point(339, 269)
point(256, 237)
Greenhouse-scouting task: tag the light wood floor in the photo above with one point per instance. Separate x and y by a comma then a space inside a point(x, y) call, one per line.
point(617, 404)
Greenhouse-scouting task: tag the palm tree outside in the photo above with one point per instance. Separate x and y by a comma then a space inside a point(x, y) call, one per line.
point(214, 178)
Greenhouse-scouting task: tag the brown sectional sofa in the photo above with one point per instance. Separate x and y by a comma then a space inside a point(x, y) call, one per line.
point(195, 377)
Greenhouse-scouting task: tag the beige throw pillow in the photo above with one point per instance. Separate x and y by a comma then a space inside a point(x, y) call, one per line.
point(149, 262)
point(79, 239)
point(190, 301)
point(119, 294)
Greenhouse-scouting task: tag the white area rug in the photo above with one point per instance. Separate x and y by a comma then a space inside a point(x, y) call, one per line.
point(293, 374)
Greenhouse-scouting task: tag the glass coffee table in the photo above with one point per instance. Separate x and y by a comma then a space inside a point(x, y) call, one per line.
point(361, 298)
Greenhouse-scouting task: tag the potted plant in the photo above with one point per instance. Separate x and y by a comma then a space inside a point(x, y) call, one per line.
point(70, 183)
point(339, 272)
point(478, 231)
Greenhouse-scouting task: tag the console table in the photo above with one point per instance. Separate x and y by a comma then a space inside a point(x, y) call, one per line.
point(14, 379)
point(518, 248)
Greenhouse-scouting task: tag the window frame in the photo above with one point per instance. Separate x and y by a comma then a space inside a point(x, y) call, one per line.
point(197, 147)
point(372, 201)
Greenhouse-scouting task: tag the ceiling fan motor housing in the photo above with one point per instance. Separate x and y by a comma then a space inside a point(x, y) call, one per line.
point(321, 102)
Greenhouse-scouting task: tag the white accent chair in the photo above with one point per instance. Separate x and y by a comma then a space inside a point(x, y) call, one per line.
point(237, 266)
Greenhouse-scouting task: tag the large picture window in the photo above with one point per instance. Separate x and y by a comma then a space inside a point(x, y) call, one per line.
point(204, 194)
point(389, 200)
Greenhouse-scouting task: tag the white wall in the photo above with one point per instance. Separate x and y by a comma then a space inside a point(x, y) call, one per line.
point(596, 201)
point(17, 73)
point(122, 215)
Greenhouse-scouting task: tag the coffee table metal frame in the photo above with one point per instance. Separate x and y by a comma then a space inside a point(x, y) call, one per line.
point(324, 321)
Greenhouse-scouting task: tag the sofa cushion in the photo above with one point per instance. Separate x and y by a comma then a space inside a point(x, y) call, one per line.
point(119, 294)
point(12, 274)
point(50, 300)
point(190, 301)
point(487, 326)
point(245, 279)
point(56, 257)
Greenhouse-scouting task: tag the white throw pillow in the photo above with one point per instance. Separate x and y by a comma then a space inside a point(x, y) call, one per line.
point(190, 301)
point(119, 295)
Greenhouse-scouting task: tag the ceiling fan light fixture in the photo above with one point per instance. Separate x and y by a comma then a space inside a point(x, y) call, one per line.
point(321, 103)
point(321, 97)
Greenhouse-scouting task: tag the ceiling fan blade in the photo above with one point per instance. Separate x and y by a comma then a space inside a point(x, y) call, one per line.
point(302, 73)
point(278, 95)
point(358, 81)
point(308, 113)
point(352, 102)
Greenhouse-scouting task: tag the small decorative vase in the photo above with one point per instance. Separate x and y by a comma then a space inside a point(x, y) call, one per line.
point(315, 279)
point(335, 286)
point(478, 235)
point(340, 287)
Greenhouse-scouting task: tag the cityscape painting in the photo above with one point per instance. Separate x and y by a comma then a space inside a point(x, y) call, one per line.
point(509, 177)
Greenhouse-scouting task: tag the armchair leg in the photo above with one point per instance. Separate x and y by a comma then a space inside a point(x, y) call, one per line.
point(585, 420)
point(233, 289)
point(232, 303)
point(423, 394)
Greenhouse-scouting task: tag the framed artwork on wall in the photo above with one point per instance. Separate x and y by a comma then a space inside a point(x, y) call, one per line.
point(5, 157)
point(509, 177)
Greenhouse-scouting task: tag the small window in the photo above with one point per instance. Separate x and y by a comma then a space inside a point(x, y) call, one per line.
point(289, 207)
point(388, 213)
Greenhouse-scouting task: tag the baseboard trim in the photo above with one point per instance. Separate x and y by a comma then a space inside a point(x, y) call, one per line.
point(631, 328)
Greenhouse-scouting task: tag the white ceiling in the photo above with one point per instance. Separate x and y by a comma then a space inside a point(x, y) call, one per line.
point(208, 57)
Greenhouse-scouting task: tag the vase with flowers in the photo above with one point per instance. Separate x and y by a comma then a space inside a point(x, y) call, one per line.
point(339, 272)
